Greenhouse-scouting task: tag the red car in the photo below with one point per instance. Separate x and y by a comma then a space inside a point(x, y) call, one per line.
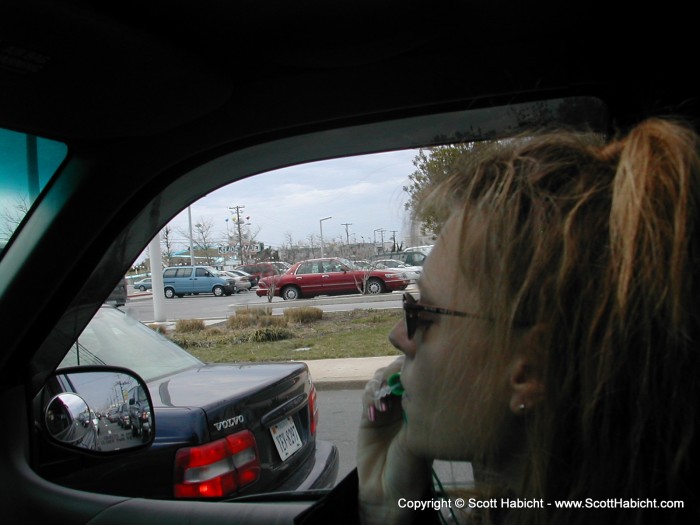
point(330, 276)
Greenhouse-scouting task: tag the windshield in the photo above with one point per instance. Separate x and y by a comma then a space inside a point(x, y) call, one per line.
point(27, 163)
point(113, 338)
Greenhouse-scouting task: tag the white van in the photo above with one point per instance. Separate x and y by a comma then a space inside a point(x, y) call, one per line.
point(186, 280)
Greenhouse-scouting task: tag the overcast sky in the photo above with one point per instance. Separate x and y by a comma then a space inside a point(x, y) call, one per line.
point(364, 192)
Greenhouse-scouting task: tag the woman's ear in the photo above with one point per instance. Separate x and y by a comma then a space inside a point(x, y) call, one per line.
point(526, 372)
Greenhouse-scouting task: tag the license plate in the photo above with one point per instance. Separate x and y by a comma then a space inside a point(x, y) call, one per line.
point(286, 437)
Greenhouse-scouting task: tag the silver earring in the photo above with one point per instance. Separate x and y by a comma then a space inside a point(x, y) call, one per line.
point(521, 408)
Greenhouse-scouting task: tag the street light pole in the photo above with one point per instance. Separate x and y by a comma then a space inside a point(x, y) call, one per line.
point(320, 224)
point(375, 238)
point(189, 216)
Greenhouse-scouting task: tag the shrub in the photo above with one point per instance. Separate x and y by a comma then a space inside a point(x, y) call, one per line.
point(303, 314)
point(272, 321)
point(255, 312)
point(270, 333)
point(241, 320)
point(189, 325)
point(254, 317)
point(161, 329)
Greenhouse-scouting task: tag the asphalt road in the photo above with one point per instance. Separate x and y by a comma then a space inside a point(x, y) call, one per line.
point(339, 417)
point(140, 306)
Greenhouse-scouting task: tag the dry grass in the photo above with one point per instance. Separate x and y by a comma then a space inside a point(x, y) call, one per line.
point(263, 337)
point(184, 326)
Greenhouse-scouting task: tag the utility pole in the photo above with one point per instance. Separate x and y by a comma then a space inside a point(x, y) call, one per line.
point(240, 236)
point(347, 235)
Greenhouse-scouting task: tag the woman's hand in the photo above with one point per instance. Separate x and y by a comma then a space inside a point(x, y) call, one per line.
point(386, 467)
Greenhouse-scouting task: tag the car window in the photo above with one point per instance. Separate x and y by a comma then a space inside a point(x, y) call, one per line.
point(305, 268)
point(106, 341)
point(27, 163)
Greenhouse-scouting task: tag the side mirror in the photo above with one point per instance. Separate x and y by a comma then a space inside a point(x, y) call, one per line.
point(75, 395)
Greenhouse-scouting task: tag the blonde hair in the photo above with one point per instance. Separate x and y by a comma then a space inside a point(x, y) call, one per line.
point(597, 242)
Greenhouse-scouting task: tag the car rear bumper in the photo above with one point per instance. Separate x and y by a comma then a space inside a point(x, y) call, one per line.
point(325, 470)
point(321, 473)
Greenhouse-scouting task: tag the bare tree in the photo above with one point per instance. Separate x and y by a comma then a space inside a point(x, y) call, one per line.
point(12, 215)
point(361, 283)
point(271, 287)
point(312, 240)
point(202, 237)
point(167, 245)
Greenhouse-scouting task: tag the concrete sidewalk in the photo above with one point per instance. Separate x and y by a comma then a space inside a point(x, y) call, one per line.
point(345, 374)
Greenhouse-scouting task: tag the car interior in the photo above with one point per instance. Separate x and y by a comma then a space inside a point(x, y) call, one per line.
point(148, 106)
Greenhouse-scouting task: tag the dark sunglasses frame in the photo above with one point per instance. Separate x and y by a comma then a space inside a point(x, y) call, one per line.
point(412, 310)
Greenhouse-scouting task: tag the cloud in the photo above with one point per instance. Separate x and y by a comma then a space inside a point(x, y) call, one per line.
point(363, 192)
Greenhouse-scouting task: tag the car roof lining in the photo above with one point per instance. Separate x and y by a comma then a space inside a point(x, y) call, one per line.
point(153, 66)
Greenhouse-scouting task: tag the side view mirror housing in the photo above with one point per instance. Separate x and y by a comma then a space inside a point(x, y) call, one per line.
point(73, 398)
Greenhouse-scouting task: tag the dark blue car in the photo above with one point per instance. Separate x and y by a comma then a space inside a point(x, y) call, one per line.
point(220, 429)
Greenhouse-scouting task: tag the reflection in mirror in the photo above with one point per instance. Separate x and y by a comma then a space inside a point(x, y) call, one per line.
point(68, 420)
point(102, 409)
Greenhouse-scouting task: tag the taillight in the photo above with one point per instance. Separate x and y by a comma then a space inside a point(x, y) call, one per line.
point(313, 409)
point(218, 468)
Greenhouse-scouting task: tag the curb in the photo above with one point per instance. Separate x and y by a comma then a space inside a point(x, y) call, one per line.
point(348, 384)
point(355, 298)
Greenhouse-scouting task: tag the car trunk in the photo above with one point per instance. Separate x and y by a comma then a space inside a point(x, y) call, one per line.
point(272, 401)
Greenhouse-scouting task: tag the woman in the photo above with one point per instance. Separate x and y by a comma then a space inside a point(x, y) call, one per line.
point(555, 341)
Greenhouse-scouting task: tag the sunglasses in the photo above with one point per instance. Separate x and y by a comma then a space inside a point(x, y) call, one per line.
point(412, 311)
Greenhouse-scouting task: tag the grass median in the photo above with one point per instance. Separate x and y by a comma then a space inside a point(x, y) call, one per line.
point(301, 334)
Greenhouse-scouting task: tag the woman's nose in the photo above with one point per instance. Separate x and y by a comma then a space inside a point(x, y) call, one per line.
point(398, 337)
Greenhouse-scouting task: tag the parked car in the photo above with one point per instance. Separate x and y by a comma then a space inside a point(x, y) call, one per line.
point(412, 273)
point(244, 281)
point(412, 258)
point(143, 284)
point(281, 266)
point(425, 249)
point(259, 270)
point(330, 276)
point(179, 281)
point(119, 294)
point(362, 264)
point(198, 408)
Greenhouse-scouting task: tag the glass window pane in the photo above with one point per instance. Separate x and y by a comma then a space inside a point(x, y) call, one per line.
point(27, 163)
